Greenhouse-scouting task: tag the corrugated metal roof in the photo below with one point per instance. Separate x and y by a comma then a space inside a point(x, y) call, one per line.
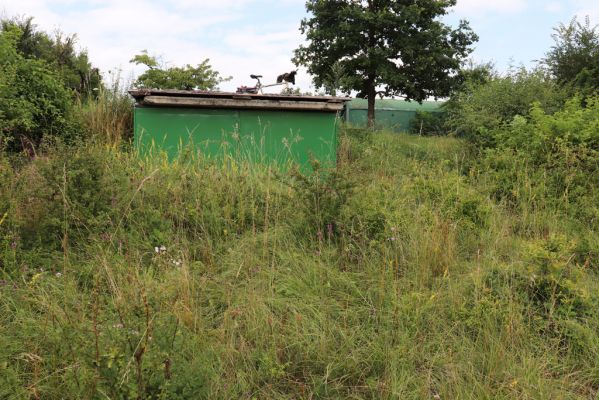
point(393, 104)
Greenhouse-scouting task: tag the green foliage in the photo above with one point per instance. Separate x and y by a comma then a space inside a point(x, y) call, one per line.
point(34, 103)
point(548, 160)
point(59, 201)
point(555, 296)
point(479, 109)
point(59, 54)
point(50, 91)
point(574, 58)
point(574, 126)
point(531, 136)
point(554, 285)
point(473, 74)
point(159, 76)
point(403, 48)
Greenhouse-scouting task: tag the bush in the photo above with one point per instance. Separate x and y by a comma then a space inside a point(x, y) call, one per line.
point(553, 285)
point(543, 134)
point(34, 103)
point(58, 52)
point(548, 161)
point(481, 108)
point(159, 76)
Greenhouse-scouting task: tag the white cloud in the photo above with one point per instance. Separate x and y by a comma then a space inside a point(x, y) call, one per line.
point(181, 31)
point(587, 8)
point(474, 8)
point(554, 7)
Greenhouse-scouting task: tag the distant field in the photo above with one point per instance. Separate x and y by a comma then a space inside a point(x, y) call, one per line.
point(404, 274)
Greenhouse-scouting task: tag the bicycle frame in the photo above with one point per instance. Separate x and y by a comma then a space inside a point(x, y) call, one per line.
point(257, 89)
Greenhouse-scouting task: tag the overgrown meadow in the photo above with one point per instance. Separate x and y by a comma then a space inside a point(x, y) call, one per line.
point(413, 270)
point(462, 266)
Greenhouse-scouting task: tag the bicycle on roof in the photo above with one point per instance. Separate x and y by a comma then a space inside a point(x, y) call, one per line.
point(282, 80)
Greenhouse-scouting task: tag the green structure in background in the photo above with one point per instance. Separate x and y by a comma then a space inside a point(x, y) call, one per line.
point(396, 115)
point(257, 128)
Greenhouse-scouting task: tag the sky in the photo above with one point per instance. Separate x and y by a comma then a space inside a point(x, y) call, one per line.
point(243, 37)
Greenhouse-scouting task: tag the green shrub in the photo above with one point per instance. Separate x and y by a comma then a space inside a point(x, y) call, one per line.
point(34, 103)
point(58, 52)
point(159, 76)
point(61, 200)
point(550, 292)
point(479, 109)
point(554, 284)
point(574, 127)
point(548, 161)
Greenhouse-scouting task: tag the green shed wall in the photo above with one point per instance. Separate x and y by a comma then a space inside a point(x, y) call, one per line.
point(395, 115)
point(255, 135)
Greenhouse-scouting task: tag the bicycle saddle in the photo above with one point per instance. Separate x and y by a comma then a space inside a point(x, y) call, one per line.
point(255, 76)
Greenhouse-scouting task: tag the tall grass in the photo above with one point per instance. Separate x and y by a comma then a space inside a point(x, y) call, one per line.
point(107, 116)
point(396, 276)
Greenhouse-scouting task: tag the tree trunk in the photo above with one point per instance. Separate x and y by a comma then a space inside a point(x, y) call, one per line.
point(371, 99)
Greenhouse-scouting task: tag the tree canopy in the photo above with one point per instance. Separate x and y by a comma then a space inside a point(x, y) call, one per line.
point(188, 77)
point(389, 47)
point(574, 58)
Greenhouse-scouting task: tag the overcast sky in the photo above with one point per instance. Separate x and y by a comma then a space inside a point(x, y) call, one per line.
point(258, 36)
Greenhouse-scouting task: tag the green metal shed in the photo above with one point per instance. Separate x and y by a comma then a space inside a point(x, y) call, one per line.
point(396, 115)
point(256, 127)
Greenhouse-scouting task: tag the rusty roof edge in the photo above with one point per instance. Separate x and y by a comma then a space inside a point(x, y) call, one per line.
point(139, 94)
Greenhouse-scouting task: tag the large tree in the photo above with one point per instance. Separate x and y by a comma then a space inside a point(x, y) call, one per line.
point(392, 47)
